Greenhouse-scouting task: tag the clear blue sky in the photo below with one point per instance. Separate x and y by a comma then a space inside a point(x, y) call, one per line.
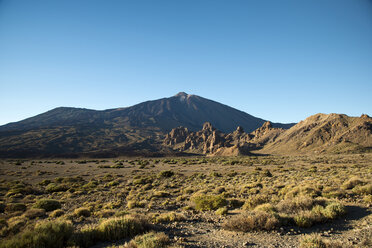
point(278, 60)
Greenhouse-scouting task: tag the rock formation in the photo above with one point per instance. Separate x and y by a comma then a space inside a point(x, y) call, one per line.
point(211, 141)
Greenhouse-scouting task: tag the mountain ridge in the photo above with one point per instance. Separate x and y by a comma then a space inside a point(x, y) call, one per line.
point(66, 130)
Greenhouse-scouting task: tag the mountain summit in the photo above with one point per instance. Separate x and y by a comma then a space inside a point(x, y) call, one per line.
point(69, 131)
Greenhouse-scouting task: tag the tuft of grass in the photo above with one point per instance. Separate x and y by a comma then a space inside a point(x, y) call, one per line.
point(253, 221)
point(85, 212)
point(120, 228)
point(47, 204)
point(316, 241)
point(254, 201)
point(53, 187)
point(86, 237)
point(15, 207)
point(166, 173)
point(135, 204)
point(149, 240)
point(363, 190)
point(56, 213)
point(352, 182)
point(34, 213)
point(334, 210)
point(168, 217)
point(221, 211)
point(312, 241)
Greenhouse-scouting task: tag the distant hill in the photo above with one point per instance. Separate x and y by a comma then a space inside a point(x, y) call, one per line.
point(334, 133)
point(133, 130)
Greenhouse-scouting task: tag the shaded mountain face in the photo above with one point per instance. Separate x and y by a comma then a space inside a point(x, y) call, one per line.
point(334, 133)
point(137, 129)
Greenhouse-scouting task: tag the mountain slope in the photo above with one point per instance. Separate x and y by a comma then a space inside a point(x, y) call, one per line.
point(140, 128)
point(182, 109)
point(325, 133)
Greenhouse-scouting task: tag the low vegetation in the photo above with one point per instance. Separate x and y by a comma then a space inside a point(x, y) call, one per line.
point(171, 202)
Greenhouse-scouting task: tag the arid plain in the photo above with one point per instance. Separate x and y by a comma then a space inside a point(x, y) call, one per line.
point(255, 201)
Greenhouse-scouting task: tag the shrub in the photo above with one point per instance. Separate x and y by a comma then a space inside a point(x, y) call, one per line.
point(2, 207)
point(316, 241)
point(85, 212)
point(266, 207)
point(334, 210)
point(304, 219)
point(166, 173)
point(209, 202)
point(149, 240)
point(221, 211)
point(312, 241)
point(52, 187)
point(34, 213)
point(87, 236)
point(168, 217)
point(56, 213)
point(298, 204)
point(135, 204)
point(15, 207)
point(352, 182)
point(253, 221)
point(47, 204)
point(363, 190)
point(236, 203)
point(160, 194)
point(254, 201)
point(45, 234)
point(120, 228)
point(15, 224)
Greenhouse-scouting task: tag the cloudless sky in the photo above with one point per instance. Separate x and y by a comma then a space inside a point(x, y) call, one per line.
point(277, 60)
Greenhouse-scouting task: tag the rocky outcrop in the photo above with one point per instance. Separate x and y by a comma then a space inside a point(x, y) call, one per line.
point(211, 141)
point(265, 134)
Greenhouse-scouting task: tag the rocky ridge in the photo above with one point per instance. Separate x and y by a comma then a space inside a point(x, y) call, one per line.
point(213, 142)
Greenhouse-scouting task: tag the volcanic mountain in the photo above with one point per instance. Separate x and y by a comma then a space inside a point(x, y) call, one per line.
point(133, 130)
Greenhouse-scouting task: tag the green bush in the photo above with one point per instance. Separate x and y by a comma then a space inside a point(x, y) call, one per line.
point(47, 204)
point(44, 235)
point(209, 202)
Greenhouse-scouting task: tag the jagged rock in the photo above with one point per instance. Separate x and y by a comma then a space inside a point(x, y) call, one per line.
point(176, 135)
point(208, 127)
point(211, 141)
